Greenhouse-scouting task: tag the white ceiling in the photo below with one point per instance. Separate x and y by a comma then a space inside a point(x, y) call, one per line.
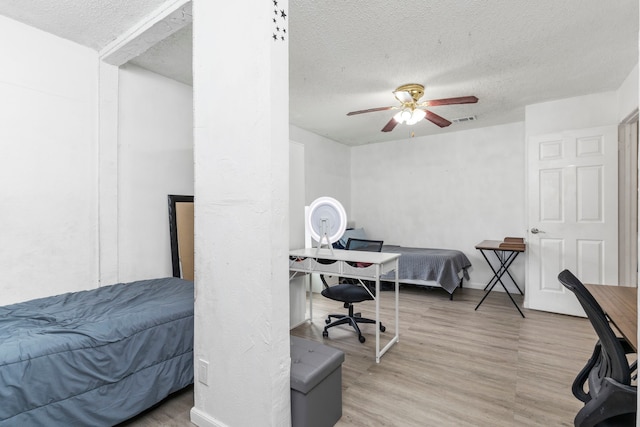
point(351, 55)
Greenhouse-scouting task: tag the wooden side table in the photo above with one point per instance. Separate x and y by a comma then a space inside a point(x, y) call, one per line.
point(506, 252)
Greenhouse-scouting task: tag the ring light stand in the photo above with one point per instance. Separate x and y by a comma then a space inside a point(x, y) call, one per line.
point(326, 221)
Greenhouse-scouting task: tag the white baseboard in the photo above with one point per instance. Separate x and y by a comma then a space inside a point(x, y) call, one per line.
point(202, 419)
point(496, 288)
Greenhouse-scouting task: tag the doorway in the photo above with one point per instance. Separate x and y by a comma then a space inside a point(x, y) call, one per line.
point(628, 201)
point(573, 214)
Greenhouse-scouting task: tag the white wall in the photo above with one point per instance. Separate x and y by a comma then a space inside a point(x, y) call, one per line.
point(446, 191)
point(627, 95)
point(48, 220)
point(327, 167)
point(586, 111)
point(155, 159)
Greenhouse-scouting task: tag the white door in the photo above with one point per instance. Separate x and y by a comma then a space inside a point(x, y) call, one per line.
point(573, 219)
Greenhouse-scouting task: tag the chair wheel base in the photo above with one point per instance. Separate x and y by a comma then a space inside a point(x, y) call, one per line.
point(361, 338)
point(325, 334)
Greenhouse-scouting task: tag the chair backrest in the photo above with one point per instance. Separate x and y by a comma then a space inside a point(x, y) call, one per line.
point(354, 244)
point(613, 362)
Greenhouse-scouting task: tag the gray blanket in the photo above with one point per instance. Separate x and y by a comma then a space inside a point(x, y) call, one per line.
point(95, 358)
point(439, 265)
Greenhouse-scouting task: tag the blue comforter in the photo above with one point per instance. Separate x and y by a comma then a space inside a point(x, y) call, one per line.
point(95, 357)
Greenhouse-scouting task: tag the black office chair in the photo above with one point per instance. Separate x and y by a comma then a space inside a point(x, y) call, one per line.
point(350, 291)
point(611, 399)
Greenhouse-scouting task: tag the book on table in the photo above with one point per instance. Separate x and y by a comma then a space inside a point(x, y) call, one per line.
point(513, 243)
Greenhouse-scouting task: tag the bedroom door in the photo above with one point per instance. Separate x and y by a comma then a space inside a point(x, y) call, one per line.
point(572, 211)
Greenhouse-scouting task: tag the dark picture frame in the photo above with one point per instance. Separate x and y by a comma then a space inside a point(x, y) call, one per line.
point(173, 230)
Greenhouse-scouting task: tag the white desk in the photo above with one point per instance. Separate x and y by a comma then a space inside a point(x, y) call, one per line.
point(306, 261)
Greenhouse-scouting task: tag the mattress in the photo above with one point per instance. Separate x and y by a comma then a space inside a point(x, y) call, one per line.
point(95, 357)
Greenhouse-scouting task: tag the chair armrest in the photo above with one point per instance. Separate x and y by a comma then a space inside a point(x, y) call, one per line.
point(577, 388)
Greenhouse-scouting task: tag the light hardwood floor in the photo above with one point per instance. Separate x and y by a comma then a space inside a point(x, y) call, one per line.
point(452, 367)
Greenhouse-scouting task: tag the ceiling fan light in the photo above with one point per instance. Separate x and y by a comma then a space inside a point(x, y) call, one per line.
point(416, 116)
point(405, 115)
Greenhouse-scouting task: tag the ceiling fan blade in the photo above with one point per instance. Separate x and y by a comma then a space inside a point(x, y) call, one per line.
point(403, 96)
point(450, 101)
point(370, 110)
point(390, 125)
point(438, 120)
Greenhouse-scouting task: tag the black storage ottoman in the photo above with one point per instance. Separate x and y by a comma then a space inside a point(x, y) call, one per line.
point(316, 384)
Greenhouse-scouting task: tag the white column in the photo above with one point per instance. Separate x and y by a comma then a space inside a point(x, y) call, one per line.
point(241, 214)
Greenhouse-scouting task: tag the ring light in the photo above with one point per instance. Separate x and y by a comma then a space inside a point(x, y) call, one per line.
point(327, 221)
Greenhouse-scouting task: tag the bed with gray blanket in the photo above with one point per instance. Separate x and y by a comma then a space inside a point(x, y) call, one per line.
point(430, 267)
point(95, 358)
point(445, 268)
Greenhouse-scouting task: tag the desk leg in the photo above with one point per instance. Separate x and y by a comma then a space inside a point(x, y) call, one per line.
point(497, 277)
point(501, 270)
point(508, 262)
point(310, 298)
point(397, 291)
point(512, 300)
point(378, 313)
point(395, 338)
point(495, 273)
point(504, 261)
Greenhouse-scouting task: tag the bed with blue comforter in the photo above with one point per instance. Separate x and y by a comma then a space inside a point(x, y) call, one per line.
point(95, 358)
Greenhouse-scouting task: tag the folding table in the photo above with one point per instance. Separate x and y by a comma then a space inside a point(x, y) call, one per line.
point(506, 252)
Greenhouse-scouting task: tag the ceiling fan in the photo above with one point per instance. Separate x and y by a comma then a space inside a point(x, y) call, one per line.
point(412, 111)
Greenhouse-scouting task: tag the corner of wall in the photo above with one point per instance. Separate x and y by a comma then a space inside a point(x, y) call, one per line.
point(627, 95)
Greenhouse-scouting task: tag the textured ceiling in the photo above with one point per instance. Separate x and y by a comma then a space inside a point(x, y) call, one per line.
point(351, 55)
point(170, 57)
point(92, 23)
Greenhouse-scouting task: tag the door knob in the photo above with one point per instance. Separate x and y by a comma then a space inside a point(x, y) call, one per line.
point(536, 231)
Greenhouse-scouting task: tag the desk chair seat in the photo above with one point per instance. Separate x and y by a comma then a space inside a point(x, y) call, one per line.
point(350, 291)
point(611, 398)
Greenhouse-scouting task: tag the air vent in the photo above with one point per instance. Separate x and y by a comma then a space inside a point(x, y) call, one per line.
point(464, 119)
